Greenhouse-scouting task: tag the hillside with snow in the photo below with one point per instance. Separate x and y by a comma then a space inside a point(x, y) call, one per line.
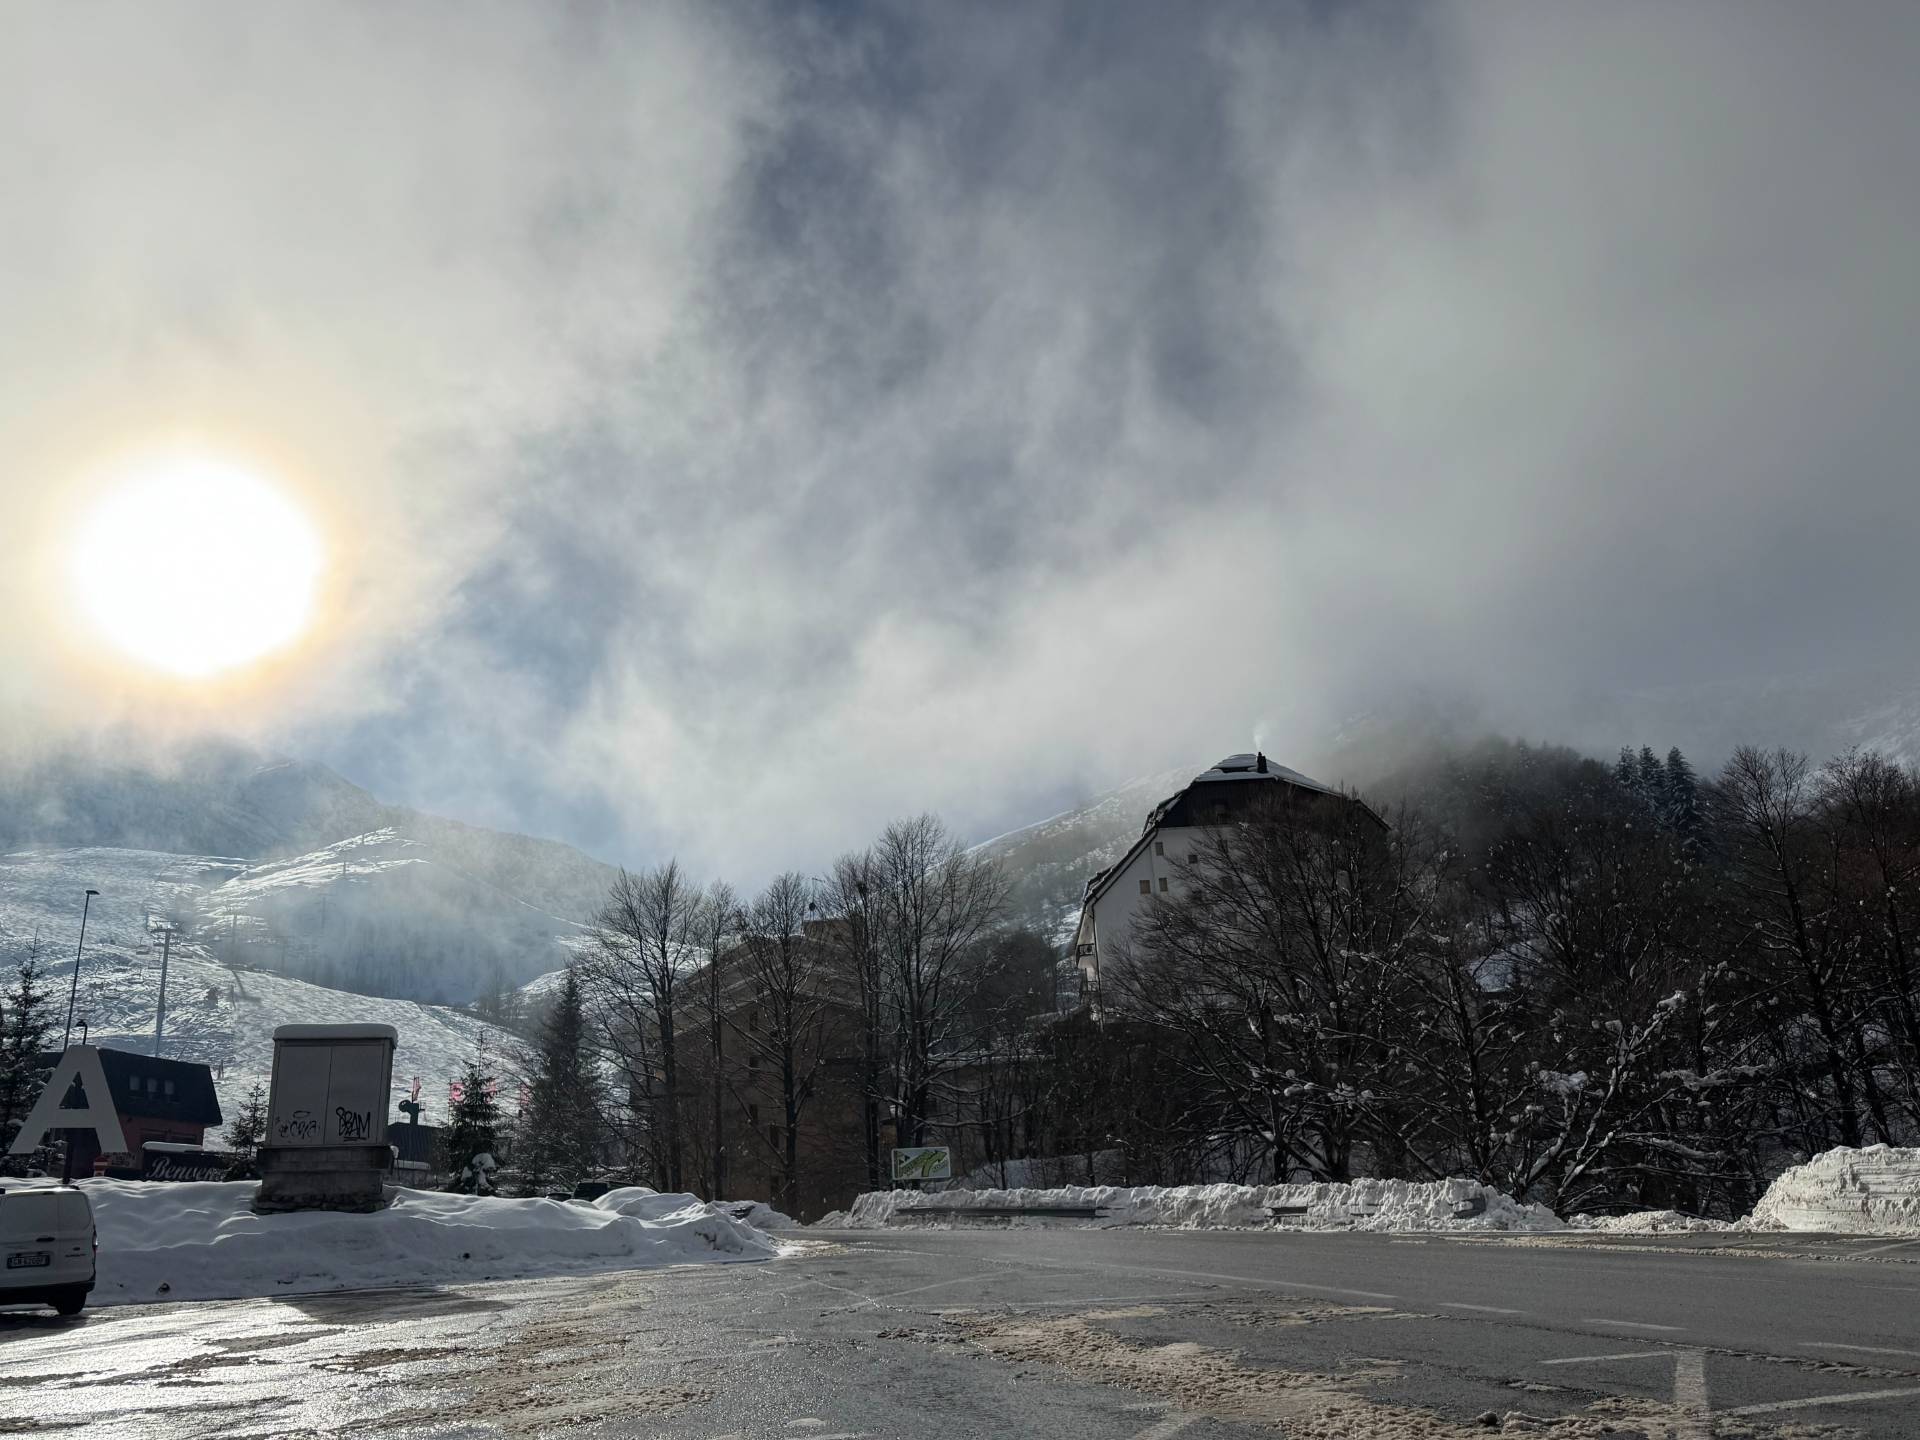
point(221, 1013)
point(334, 886)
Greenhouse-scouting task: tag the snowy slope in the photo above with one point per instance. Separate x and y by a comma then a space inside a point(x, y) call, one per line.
point(1050, 862)
point(439, 932)
point(222, 1015)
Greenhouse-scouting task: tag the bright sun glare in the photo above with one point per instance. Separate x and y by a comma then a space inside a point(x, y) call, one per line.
point(193, 566)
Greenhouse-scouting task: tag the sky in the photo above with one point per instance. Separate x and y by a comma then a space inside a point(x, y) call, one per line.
point(733, 426)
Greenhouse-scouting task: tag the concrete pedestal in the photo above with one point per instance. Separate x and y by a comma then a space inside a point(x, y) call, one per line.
point(322, 1177)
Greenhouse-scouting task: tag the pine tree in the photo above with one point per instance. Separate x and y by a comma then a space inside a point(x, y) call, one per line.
point(1625, 770)
point(1681, 796)
point(1651, 781)
point(249, 1127)
point(472, 1127)
point(25, 1023)
point(560, 1133)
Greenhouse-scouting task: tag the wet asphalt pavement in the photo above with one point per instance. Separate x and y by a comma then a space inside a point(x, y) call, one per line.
point(1038, 1331)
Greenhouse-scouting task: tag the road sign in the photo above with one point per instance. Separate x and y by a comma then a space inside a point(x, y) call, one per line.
point(923, 1162)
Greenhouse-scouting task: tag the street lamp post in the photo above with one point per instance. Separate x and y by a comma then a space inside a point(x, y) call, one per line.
point(73, 991)
point(160, 1010)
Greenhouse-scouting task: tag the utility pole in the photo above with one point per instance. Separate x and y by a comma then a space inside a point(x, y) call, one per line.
point(73, 991)
point(160, 1011)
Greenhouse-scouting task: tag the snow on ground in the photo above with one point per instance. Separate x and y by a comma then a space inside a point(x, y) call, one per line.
point(1358, 1205)
point(220, 1015)
point(1870, 1191)
point(203, 1241)
point(1649, 1222)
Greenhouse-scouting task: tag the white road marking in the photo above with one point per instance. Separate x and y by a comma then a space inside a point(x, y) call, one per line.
point(1814, 1402)
point(1882, 1249)
point(1483, 1309)
point(1863, 1349)
point(1628, 1324)
point(1593, 1359)
point(1691, 1417)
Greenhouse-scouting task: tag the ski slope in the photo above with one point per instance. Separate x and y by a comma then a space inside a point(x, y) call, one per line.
point(221, 1015)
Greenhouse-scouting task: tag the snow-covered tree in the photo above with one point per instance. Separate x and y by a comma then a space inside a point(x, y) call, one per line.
point(472, 1126)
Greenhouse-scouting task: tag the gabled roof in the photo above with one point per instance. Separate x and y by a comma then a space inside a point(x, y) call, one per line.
point(138, 1084)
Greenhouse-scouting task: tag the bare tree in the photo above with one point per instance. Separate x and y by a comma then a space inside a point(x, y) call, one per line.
point(1764, 807)
point(932, 904)
point(793, 989)
point(719, 919)
point(850, 896)
point(646, 937)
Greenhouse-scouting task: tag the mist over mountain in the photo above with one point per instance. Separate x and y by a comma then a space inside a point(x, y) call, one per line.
point(315, 877)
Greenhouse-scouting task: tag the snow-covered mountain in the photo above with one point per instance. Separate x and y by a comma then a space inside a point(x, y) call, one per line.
point(222, 1014)
point(331, 884)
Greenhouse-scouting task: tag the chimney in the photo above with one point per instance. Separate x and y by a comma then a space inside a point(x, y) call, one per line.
point(1260, 761)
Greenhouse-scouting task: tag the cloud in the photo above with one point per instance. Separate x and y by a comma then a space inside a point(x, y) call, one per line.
point(744, 430)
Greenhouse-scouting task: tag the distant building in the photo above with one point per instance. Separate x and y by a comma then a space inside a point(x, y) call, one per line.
point(1172, 842)
point(170, 1101)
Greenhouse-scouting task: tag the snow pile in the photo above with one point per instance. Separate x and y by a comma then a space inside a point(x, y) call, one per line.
point(645, 1204)
point(1355, 1205)
point(203, 1241)
point(1870, 1191)
point(1648, 1222)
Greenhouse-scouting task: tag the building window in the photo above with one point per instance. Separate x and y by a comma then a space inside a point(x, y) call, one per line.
point(169, 1087)
point(753, 1020)
point(1158, 848)
point(753, 1060)
point(1193, 859)
point(753, 1114)
point(1146, 887)
point(774, 1136)
point(1163, 884)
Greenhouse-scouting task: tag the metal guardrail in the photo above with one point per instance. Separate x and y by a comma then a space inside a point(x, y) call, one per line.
point(1476, 1206)
point(998, 1212)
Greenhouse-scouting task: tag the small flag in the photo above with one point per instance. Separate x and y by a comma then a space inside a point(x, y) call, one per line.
point(415, 1096)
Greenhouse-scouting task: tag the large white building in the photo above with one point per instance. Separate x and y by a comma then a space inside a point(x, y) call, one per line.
point(1172, 841)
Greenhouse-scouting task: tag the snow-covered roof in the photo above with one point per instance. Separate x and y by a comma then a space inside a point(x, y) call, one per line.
point(336, 1032)
point(1256, 765)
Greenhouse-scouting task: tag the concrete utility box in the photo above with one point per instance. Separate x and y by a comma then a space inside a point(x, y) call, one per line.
point(326, 1141)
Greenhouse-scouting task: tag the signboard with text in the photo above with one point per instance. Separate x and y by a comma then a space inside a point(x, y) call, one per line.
point(923, 1162)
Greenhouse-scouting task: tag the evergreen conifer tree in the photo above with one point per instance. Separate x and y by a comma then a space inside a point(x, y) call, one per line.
point(26, 1021)
point(559, 1136)
point(1651, 782)
point(249, 1127)
point(1681, 797)
point(471, 1127)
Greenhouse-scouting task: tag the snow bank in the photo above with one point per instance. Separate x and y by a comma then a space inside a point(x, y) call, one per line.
point(1870, 1191)
point(1648, 1222)
point(1358, 1205)
point(203, 1242)
point(644, 1204)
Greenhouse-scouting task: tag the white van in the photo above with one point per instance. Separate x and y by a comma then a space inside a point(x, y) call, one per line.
point(48, 1241)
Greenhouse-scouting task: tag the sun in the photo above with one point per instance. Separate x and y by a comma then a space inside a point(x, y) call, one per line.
point(193, 565)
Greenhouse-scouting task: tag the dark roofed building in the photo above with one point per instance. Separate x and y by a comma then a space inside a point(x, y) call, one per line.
point(171, 1101)
point(1173, 840)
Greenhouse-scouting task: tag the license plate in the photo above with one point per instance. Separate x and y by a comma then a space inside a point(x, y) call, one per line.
point(29, 1260)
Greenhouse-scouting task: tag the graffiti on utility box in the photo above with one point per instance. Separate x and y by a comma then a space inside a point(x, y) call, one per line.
point(331, 1085)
